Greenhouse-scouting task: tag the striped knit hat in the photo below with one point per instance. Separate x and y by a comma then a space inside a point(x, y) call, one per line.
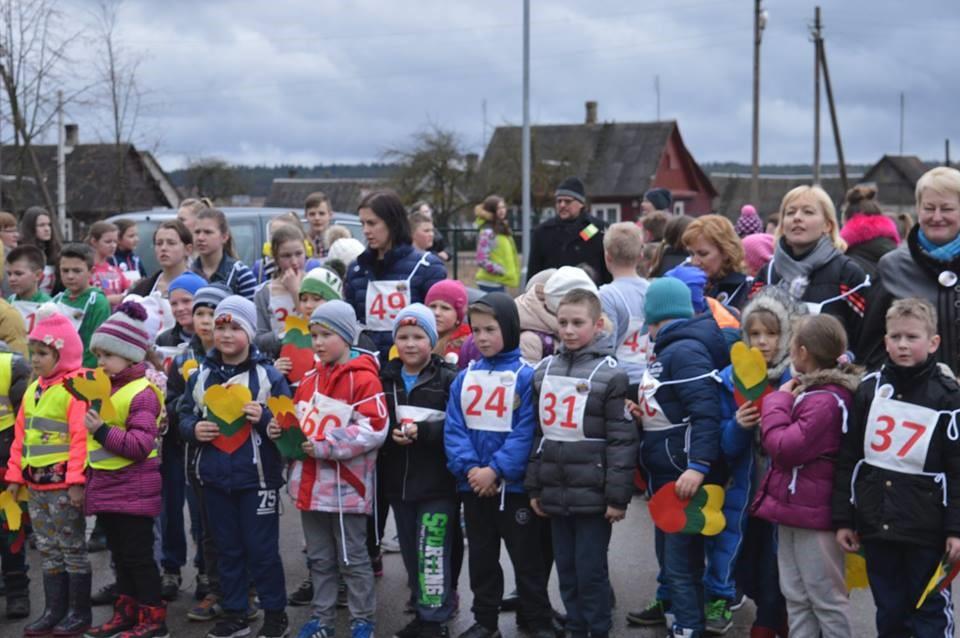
point(124, 333)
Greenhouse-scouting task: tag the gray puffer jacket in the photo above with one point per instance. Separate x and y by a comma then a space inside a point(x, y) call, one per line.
point(585, 476)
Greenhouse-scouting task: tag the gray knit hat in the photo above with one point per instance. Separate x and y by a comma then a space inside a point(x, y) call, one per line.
point(339, 317)
point(211, 295)
point(241, 312)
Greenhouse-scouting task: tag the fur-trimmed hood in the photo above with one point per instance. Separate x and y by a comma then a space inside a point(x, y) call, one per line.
point(846, 376)
point(786, 309)
point(863, 228)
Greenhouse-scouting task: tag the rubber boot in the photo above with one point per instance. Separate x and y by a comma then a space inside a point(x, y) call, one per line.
point(79, 615)
point(55, 586)
point(17, 587)
point(124, 618)
point(762, 632)
point(152, 623)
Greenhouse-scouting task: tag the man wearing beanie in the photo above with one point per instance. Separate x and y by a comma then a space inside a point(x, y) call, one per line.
point(657, 199)
point(240, 468)
point(571, 238)
point(413, 467)
point(680, 438)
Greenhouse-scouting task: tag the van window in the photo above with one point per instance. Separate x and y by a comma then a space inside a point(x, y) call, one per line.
point(245, 242)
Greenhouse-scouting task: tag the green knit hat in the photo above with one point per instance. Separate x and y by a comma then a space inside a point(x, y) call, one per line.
point(667, 298)
point(322, 282)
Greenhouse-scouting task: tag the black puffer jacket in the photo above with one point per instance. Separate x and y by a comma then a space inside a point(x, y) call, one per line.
point(417, 472)
point(895, 506)
point(584, 477)
point(558, 242)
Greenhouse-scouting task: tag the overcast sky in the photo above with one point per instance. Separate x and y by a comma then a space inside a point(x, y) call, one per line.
point(318, 81)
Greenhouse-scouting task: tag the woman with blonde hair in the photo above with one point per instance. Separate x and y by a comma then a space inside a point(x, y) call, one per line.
point(808, 260)
point(717, 250)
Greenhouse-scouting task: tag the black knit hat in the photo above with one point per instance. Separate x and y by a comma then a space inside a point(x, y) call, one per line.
point(572, 187)
point(660, 198)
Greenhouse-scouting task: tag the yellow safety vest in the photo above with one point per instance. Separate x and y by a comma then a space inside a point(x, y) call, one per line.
point(46, 433)
point(100, 458)
point(7, 417)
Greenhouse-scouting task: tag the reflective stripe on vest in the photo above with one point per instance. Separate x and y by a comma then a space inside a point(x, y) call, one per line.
point(46, 434)
point(6, 380)
point(99, 457)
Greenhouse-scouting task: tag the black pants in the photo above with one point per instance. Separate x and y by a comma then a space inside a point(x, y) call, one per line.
point(377, 521)
point(757, 575)
point(580, 544)
point(519, 528)
point(425, 530)
point(130, 539)
point(898, 573)
point(207, 542)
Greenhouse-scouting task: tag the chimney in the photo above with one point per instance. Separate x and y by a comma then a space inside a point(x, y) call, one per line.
point(471, 160)
point(72, 134)
point(591, 112)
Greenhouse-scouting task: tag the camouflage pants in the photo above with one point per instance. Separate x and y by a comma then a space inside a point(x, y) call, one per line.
point(61, 531)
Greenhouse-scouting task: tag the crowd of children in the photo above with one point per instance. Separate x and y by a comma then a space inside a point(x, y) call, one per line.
point(518, 422)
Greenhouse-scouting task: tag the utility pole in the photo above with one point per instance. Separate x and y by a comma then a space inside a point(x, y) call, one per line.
point(62, 171)
point(841, 164)
point(525, 141)
point(947, 150)
point(902, 107)
point(816, 96)
point(656, 89)
point(484, 137)
point(759, 22)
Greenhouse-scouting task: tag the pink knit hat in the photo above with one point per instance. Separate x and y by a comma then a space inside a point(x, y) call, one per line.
point(55, 331)
point(757, 250)
point(452, 292)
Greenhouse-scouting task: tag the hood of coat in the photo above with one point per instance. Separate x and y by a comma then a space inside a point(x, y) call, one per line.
point(786, 309)
point(702, 328)
point(602, 345)
point(845, 376)
point(505, 311)
point(863, 228)
point(534, 314)
point(359, 362)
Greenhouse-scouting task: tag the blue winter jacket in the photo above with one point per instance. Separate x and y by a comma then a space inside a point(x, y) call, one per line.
point(256, 464)
point(505, 452)
point(399, 262)
point(682, 350)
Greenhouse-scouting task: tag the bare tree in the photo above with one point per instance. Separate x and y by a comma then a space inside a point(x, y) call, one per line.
point(34, 48)
point(214, 178)
point(121, 94)
point(433, 168)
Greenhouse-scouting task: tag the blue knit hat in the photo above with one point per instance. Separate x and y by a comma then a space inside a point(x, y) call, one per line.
point(417, 314)
point(338, 317)
point(189, 281)
point(667, 298)
point(695, 279)
point(240, 311)
point(210, 295)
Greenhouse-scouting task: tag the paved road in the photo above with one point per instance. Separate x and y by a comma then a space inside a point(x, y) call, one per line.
point(632, 566)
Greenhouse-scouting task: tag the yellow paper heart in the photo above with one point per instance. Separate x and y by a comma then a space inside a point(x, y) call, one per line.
point(748, 364)
point(294, 322)
point(11, 509)
point(94, 386)
point(281, 405)
point(226, 401)
point(188, 366)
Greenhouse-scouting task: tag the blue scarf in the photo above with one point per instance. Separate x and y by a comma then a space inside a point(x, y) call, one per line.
point(945, 253)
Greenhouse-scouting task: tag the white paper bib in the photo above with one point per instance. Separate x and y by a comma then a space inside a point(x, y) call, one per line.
point(48, 280)
point(28, 310)
point(635, 347)
point(487, 399)
point(563, 402)
point(281, 306)
point(322, 413)
point(409, 414)
point(385, 299)
point(652, 415)
point(898, 434)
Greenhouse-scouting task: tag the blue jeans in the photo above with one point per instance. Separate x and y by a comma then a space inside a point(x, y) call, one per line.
point(173, 539)
point(580, 546)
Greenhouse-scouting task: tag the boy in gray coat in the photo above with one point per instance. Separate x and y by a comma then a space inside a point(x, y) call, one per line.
point(581, 471)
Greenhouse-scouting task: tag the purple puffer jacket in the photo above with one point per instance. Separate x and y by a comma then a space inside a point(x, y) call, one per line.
point(134, 489)
point(802, 437)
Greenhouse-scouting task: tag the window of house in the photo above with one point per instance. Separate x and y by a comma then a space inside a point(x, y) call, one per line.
point(609, 213)
point(678, 208)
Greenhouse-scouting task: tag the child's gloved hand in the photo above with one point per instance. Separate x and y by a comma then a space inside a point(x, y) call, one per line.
point(283, 365)
point(748, 416)
point(253, 410)
point(273, 429)
point(688, 484)
point(850, 542)
point(953, 548)
point(615, 514)
point(92, 421)
point(206, 431)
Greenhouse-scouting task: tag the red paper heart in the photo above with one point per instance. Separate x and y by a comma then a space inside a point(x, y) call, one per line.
point(667, 509)
point(232, 443)
point(302, 359)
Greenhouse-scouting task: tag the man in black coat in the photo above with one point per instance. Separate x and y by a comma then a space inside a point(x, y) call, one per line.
point(572, 238)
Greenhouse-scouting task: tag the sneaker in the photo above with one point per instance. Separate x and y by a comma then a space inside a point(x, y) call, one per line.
point(411, 630)
point(253, 606)
point(202, 588)
point(233, 626)
point(390, 545)
point(313, 629)
point(97, 542)
point(107, 595)
point(439, 630)
point(341, 593)
point(275, 625)
point(303, 596)
point(479, 631)
point(739, 599)
point(719, 617)
point(170, 586)
point(654, 614)
point(377, 564)
point(361, 628)
point(207, 609)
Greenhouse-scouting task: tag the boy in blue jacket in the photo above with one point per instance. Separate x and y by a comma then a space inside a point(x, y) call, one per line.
point(488, 438)
point(241, 473)
point(679, 402)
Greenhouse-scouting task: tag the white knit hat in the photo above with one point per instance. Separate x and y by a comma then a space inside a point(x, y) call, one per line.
point(346, 249)
point(563, 281)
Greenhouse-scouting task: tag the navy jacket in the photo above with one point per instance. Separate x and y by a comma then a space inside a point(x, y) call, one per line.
point(256, 464)
point(399, 262)
point(683, 350)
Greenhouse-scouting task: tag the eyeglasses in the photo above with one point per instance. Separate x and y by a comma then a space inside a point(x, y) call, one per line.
point(10, 229)
point(564, 201)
